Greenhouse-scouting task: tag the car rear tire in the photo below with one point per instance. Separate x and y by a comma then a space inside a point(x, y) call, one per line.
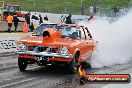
point(73, 65)
point(22, 63)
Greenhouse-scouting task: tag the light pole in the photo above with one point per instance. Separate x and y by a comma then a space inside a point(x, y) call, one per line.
point(66, 5)
point(81, 8)
point(81, 2)
point(34, 5)
point(65, 10)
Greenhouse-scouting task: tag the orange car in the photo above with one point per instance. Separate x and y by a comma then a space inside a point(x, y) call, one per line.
point(68, 44)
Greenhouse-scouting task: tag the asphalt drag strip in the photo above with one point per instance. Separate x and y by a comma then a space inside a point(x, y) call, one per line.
point(50, 76)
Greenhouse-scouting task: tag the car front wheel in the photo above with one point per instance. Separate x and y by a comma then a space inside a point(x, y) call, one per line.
point(22, 63)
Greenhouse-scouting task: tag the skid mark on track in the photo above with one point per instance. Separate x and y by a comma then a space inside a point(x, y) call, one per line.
point(17, 83)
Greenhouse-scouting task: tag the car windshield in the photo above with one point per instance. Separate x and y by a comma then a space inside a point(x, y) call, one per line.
point(10, 9)
point(42, 27)
point(67, 31)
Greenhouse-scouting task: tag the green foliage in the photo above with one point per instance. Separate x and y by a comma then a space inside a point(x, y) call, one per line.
point(67, 6)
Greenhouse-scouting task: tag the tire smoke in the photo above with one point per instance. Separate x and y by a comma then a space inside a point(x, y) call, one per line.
point(115, 41)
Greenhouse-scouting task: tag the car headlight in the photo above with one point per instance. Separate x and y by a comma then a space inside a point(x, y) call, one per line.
point(21, 46)
point(64, 50)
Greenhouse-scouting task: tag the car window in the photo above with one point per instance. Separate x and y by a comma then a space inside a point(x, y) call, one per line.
point(87, 34)
point(10, 9)
point(83, 37)
point(42, 27)
point(70, 32)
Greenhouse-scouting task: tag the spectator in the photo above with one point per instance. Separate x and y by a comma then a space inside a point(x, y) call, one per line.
point(16, 20)
point(94, 10)
point(35, 17)
point(31, 27)
point(46, 18)
point(91, 10)
point(34, 21)
point(68, 19)
point(40, 19)
point(9, 21)
point(116, 10)
point(27, 18)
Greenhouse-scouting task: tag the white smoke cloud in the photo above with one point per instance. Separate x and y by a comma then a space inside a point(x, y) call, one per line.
point(115, 41)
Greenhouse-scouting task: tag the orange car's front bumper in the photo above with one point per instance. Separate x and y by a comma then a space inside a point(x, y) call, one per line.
point(50, 56)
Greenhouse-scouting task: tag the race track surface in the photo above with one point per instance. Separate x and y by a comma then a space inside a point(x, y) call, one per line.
point(49, 77)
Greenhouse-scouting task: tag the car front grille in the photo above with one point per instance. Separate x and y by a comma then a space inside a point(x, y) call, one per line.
point(47, 49)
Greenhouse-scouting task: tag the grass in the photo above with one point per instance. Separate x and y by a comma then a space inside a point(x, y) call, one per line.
point(67, 6)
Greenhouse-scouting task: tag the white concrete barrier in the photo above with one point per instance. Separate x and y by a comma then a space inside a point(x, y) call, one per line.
point(8, 41)
point(4, 26)
point(7, 46)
